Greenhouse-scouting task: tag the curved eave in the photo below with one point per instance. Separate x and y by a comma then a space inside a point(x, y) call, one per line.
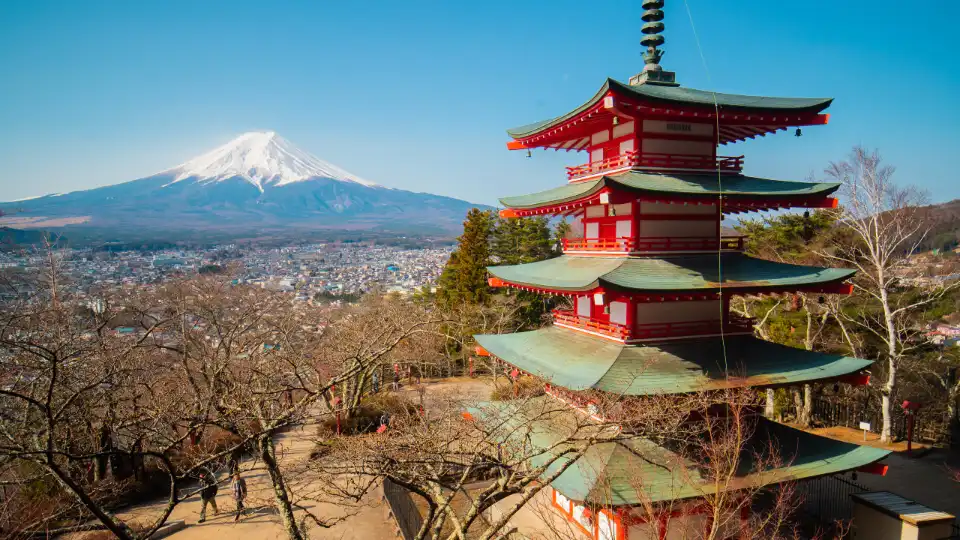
point(667, 275)
point(676, 96)
point(578, 362)
point(702, 187)
point(634, 470)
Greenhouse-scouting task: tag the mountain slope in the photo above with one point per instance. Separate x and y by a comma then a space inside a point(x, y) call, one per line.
point(258, 181)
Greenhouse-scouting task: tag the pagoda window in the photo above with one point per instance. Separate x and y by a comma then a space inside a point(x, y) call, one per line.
point(583, 306)
point(618, 312)
point(582, 516)
point(606, 526)
point(624, 129)
point(596, 211)
point(624, 209)
point(561, 501)
point(600, 137)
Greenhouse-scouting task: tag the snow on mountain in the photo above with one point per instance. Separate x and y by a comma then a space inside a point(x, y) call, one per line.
point(262, 158)
point(257, 184)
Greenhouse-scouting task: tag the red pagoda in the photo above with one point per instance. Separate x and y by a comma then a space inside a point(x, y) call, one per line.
point(651, 274)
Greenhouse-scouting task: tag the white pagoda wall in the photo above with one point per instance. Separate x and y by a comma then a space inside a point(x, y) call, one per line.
point(677, 227)
point(666, 312)
point(703, 147)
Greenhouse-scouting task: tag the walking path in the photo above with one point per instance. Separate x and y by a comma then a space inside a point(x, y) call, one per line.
point(261, 520)
point(368, 521)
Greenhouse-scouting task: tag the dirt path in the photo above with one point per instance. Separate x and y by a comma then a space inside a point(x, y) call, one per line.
point(261, 521)
point(367, 522)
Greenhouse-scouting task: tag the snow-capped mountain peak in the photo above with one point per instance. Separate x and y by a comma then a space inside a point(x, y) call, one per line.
point(262, 158)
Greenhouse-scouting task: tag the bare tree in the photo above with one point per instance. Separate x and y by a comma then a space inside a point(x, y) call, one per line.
point(886, 227)
point(255, 365)
point(79, 401)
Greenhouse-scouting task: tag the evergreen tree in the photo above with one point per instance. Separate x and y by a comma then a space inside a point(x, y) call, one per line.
point(464, 278)
point(521, 240)
point(559, 233)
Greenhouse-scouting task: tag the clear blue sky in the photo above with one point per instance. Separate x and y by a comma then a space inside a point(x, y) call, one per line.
point(417, 94)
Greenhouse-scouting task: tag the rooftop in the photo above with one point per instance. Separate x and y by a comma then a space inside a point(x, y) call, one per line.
point(634, 470)
point(790, 110)
point(578, 362)
point(707, 273)
point(692, 186)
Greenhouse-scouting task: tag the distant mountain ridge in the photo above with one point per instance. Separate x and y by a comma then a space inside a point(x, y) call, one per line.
point(257, 182)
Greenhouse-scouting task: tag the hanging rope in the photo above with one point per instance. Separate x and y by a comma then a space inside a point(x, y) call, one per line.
point(716, 108)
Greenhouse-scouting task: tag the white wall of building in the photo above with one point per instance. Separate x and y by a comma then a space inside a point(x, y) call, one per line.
point(670, 146)
point(676, 229)
point(664, 312)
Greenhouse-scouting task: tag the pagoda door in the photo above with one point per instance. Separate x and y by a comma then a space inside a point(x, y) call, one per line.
point(608, 230)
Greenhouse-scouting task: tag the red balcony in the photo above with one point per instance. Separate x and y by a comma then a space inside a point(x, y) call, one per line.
point(624, 244)
point(735, 325)
point(655, 243)
point(569, 318)
point(649, 160)
point(652, 243)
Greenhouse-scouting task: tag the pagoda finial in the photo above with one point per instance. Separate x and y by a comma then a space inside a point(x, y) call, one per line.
point(652, 27)
point(652, 40)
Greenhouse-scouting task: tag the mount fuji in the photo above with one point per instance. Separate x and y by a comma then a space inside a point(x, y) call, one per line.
point(258, 183)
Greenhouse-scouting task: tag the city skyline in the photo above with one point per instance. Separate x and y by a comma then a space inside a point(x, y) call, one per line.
point(418, 96)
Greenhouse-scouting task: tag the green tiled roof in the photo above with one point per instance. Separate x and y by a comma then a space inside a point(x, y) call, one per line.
point(678, 185)
point(578, 362)
point(673, 274)
point(677, 95)
point(611, 473)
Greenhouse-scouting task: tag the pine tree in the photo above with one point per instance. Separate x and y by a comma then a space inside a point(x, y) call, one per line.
point(464, 278)
point(521, 240)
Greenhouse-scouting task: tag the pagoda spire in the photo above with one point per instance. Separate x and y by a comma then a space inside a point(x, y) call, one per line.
point(652, 39)
point(652, 28)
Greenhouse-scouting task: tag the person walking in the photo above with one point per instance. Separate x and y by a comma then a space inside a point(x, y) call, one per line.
point(376, 382)
point(396, 381)
point(239, 493)
point(208, 495)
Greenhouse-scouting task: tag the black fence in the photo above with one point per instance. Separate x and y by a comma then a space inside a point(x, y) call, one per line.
point(403, 509)
point(828, 499)
point(830, 411)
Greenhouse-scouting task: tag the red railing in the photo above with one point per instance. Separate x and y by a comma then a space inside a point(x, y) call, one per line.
point(650, 160)
point(652, 243)
point(570, 318)
point(691, 328)
point(735, 324)
point(665, 243)
point(598, 244)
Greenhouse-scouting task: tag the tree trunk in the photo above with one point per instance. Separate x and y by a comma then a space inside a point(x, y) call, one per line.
point(118, 528)
point(891, 384)
point(280, 493)
point(770, 409)
point(807, 410)
point(797, 403)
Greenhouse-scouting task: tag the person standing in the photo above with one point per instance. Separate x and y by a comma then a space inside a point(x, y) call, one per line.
point(396, 381)
point(376, 382)
point(239, 493)
point(208, 495)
